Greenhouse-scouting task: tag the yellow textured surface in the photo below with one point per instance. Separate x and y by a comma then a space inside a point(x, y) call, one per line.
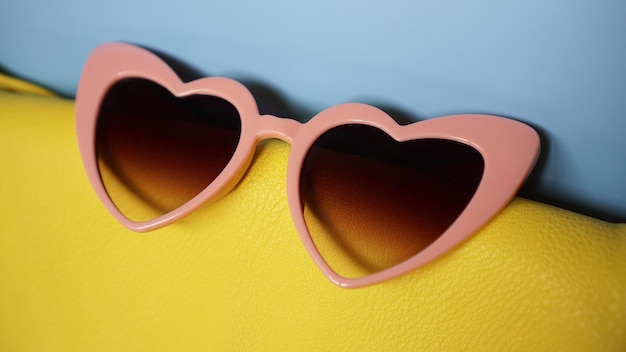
point(234, 276)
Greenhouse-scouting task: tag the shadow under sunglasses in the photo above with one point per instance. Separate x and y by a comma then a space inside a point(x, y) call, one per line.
point(271, 101)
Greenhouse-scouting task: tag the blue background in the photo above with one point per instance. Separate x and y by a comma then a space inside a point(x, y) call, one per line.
point(558, 65)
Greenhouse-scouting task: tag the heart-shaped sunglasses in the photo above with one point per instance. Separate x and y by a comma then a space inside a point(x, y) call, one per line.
point(371, 199)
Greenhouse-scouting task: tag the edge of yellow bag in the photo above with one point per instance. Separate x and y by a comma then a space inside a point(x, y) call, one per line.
point(234, 276)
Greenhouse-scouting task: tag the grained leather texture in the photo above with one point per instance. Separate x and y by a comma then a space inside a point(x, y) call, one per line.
point(233, 276)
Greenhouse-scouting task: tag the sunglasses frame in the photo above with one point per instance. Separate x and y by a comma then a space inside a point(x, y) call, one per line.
point(509, 149)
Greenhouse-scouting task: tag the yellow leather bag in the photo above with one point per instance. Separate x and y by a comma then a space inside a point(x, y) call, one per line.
point(234, 276)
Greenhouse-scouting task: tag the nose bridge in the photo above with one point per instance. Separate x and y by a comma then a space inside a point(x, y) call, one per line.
point(278, 127)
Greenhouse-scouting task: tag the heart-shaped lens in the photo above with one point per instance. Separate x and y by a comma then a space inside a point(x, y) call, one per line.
point(371, 202)
point(156, 151)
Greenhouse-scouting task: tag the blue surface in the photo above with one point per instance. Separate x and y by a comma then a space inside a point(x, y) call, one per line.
point(558, 65)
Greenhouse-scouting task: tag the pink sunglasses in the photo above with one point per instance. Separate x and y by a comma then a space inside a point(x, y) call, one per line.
point(371, 199)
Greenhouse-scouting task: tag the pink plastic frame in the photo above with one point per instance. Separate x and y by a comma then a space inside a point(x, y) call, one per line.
point(509, 149)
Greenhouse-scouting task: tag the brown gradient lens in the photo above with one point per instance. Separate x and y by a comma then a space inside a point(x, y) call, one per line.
point(371, 202)
point(156, 151)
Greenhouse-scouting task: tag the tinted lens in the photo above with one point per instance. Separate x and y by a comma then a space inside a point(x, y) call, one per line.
point(156, 151)
point(371, 202)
